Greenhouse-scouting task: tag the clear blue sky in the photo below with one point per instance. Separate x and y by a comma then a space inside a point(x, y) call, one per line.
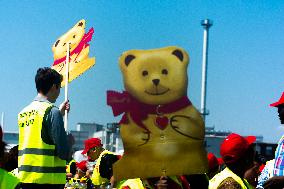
point(245, 72)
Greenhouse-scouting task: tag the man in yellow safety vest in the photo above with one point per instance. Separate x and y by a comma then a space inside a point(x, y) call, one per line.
point(95, 151)
point(44, 145)
point(238, 155)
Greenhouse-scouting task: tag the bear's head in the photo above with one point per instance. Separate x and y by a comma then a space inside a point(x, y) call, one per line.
point(73, 36)
point(156, 76)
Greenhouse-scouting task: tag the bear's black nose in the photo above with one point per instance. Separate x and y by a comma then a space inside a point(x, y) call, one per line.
point(156, 81)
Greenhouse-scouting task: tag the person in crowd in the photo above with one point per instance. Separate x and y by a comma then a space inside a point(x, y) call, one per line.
point(171, 182)
point(81, 174)
point(81, 169)
point(11, 159)
point(266, 173)
point(7, 180)
point(213, 165)
point(106, 171)
point(277, 180)
point(252, 174)
point(279, 158)
point(95, 151)
point(71, 169)
point(238, 155)
point(44, 146)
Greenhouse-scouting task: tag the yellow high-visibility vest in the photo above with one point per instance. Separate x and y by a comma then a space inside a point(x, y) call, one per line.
point(69, 165)
point(226, 173)
point(37, 160)
point(7, 180)
point(96, 177)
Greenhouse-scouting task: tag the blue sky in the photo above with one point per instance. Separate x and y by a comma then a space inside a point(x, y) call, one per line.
point(245, 71)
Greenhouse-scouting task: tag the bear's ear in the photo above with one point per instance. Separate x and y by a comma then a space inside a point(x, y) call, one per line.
point(81, 24)
point(128, 59)
point(178, 53)
point(56, 42)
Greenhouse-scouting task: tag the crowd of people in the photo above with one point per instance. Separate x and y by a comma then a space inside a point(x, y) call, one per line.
point(43, 158)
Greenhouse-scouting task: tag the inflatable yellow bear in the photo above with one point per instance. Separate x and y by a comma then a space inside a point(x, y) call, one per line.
point(162, 132)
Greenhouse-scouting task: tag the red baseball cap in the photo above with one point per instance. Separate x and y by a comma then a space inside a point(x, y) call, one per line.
point(91, 143)
point(279, 102)
point(82, 166)
point(235, 147)
point(212, 161)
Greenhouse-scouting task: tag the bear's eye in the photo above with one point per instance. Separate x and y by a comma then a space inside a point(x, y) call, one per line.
point(144, 73)
point(164, 71)
point(74, 36)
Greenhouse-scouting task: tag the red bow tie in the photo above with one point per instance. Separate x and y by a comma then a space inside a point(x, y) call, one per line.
point(125, 103)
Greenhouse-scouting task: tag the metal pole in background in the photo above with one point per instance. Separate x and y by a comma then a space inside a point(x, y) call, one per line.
point(2, 121)
point(206, 25)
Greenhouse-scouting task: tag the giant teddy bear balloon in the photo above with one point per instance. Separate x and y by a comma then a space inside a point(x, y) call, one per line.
point(162, 132)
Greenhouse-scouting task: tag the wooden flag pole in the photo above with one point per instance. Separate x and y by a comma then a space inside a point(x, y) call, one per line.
point(66, 85)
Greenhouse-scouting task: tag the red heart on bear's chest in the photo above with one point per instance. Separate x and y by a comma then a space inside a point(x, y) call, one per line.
point(161, 122)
